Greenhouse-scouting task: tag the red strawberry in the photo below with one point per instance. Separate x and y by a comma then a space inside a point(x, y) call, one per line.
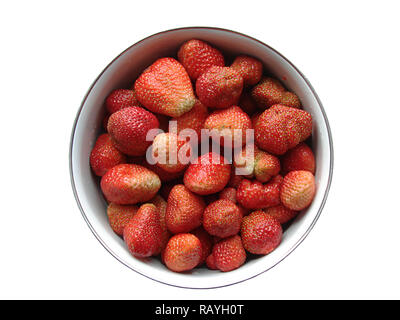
point(161, 205)
point(165, 88)
point(208, 174)
point(270, 91)
point(206, 243)
point(281, 128)
point(281, 213)
point(128, 128)
point(255, 195)
point(164, 176)
point(228, 194)
point(143, 232)
point(129, 184)
point(229, 254)
point(231, 124)
point(261, 233)
point(119, 216)
point(183, 252)
point(121, 98)
point(104, 155)
point(249, 68)
point(300, 157)
point(247, 103)
point(184, 210)
point(210, 262)
point(219, 87)
point(193, 119)
point(222, 218)
point(171, 152)
point(298, 190)
point(197, 56)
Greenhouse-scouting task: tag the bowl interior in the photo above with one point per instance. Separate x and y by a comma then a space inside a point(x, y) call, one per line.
point(121, 73)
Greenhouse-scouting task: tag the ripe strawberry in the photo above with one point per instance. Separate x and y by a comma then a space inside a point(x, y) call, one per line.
point(164, 176)
point(298, 190)
point(219, 87)
point(228, 193)
point(231, 125)
point(254, 195)
point(281, 128)
point(208, 174)
point(249, 68)
point(206, 243)
point(222, 218)
point(119, 216)
point(121, 98)
point(270, 91)
point(184, 210)
point(183, 252)
point(104, 155)
point(281, 213)
point(165, 88)
point(261, 233)
point(171, 152)
point(161, 205)
point(266, 166)
point(247, 103)
point(210, 262)
point(143, 232)
point(229, 254)
point(128, 128)
point(129, 184)
point(197, 56)
point(300, 157)
point(193, 119)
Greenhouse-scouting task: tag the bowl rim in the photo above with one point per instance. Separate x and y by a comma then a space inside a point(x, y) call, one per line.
point(330, 141)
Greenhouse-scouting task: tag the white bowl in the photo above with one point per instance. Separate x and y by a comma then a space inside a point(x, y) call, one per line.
point(121, 73)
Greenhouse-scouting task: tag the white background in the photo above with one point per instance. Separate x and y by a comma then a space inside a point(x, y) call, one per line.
point(50, 54)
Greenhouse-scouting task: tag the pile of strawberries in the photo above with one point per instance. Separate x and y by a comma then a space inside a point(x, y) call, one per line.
point(204, 212)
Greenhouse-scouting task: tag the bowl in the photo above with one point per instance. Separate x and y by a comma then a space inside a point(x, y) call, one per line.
point(120, 73)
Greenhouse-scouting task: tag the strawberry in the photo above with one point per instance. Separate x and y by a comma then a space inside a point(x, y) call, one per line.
point(219, 87)
point(206, 243)
point(143, 232)
point(228, 193)
point(161, 205)
point(208, 174)
point(210, 262)
point(261, 233)
point(193, 119)
point(259, 164)
point(231, 125)
point(254, 195)
point(121, 98)
point(104, 155)
point(300, 157)
point(249, 68)
point(165, 88)
point(197, 56)
point(119, 216)
point(270, 91)
point(247, 103)
point(128, 128)
point(281, 213)
point(183, 252)
point(164, 176)
point(184, 210)
point(229, 253)
point(298, 190)
point(129, 184)
point(281, 128)
point(222, 218)
point(171, 152)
